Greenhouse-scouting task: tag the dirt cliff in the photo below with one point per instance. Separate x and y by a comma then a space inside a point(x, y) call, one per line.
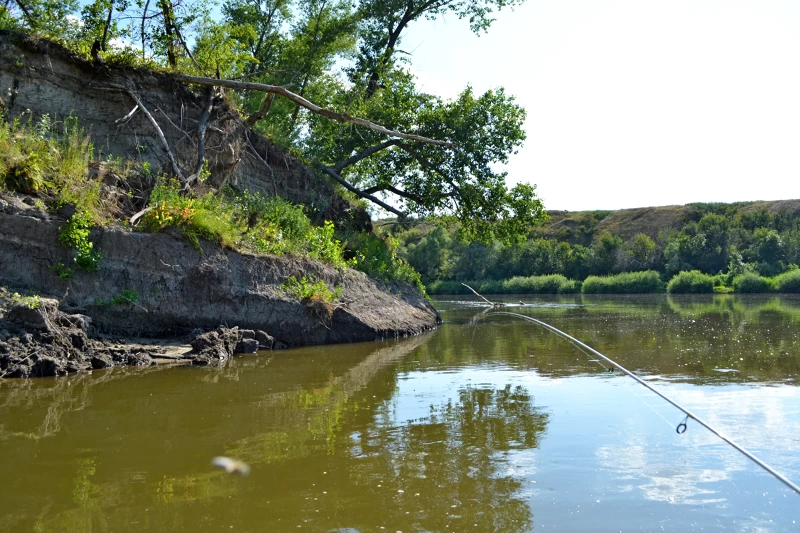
point(179, 289)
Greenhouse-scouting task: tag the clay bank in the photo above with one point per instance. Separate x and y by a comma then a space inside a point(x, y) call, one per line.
point(157, 297)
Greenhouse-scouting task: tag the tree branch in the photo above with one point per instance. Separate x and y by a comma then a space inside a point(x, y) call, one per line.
point(201, 137)
point(258, 115)
point(299, 100)
point(352, 160)
point(362, 194)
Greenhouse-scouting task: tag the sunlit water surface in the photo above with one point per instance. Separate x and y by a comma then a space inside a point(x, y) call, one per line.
point(488, 424)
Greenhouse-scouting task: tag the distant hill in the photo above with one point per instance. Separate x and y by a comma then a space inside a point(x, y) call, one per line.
point(744, 237)
point(581, 227)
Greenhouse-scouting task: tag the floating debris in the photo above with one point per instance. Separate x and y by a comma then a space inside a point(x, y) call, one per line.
point(231, 466)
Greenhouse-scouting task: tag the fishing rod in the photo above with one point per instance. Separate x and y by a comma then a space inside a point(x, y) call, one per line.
point(682, 426)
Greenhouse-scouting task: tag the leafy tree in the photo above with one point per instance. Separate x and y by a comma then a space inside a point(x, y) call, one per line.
point(642, 251)
point(606, 253)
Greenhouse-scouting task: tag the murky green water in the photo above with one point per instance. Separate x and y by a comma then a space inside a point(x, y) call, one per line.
point(488, 424)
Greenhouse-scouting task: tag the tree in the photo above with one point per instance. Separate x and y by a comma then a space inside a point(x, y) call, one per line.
point(642, 251)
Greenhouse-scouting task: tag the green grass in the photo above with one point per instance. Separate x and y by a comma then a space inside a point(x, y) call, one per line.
point(625, 283)
point(49, 160)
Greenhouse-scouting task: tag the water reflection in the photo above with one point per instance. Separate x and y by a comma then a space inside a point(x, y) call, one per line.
point(488, 424)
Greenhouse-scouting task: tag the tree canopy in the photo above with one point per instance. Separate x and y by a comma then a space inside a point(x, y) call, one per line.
point(346, 58)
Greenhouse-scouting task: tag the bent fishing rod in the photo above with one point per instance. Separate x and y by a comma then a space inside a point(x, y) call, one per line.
point(682, 426)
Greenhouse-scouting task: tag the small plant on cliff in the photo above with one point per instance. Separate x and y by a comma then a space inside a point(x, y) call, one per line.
point(75, 235)
point(127, 296)
point(62, 271)
point(314, 294)
point(31, 302)
point(196, 217)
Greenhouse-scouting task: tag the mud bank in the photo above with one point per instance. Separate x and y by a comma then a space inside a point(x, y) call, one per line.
point(181, 289)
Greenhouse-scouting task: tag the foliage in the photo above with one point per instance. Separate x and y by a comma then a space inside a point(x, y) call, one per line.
point(49, 159)
point(692, 281)
point(720, 240)
point(204, 217)
point(314, 294)
point(378, 259)
point(752, 283)
point(276, 226)
point(75, 235)
point(31, 302)
point(624, 283)
point(788, 281)
point(62, 271)
point(553, 284)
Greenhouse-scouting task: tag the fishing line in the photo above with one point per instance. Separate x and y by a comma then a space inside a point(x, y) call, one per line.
point(681, 428)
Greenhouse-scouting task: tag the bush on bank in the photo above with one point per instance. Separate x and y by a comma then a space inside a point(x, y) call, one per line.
point(625, 283)
point(691, 282)
point(552, 284)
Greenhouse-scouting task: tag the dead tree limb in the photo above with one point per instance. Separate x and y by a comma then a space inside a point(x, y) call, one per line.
point(493, 304)
point(127, 117)
point(362, 194)
point(160, 133)
point(258, 115)
point(299, 100)
point(201, 137)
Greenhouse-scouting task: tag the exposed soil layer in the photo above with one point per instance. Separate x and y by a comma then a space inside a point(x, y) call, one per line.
point(179, 290)
point(38, 77)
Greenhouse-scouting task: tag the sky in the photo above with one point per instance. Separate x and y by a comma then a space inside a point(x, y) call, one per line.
point(636, 103)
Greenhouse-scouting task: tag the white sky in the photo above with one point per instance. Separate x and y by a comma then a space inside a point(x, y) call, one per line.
point(635, 103)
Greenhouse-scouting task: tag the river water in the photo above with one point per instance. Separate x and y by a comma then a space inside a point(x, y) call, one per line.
point(490, 423)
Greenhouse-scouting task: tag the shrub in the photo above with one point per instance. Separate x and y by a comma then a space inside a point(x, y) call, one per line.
point(788, 281)
point(626, 283)
point(75, 235)
point(691, 282)
point(552, 284)
point(314, 294)
point(378, 259)
point(752, 283)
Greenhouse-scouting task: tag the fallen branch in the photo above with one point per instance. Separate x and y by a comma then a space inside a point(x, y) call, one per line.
point(201, 137)
point(493, 304)
point(160, 133)
point(302, 102)
point(127, 117)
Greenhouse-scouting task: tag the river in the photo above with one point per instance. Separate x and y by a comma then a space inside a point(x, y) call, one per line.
point(490, 423)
